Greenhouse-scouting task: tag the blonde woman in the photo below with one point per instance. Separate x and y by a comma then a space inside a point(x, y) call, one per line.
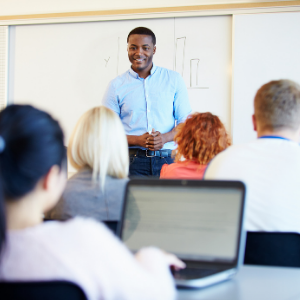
point(98, 149)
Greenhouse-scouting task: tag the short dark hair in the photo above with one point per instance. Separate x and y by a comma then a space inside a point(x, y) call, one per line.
point(277, 105)
point(143, 31)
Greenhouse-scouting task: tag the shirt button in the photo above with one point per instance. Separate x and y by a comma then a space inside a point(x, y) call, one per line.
point(148, 110)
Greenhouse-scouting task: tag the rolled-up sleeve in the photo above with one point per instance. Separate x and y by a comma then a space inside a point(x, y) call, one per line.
point(182, 107)
point(110, 99)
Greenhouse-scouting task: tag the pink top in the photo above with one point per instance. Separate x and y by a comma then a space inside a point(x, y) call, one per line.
point(87, 253)
point(183, 170)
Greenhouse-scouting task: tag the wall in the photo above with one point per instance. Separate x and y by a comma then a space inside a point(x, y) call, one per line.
point(266, 47)
point(21, 7)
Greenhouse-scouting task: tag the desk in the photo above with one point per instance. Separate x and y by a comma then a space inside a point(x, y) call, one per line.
point(252, 283)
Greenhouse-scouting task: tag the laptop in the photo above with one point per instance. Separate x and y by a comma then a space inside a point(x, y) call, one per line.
point(199, 221)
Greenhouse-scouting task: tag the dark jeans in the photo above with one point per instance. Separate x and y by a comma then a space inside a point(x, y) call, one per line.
point(142, 166)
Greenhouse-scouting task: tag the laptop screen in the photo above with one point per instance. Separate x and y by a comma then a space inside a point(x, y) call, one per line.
point(195, 223)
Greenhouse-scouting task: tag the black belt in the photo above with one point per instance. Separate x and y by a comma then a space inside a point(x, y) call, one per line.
point(150, 153)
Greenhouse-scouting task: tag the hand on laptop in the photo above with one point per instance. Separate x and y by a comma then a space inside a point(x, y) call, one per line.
point(149, 255)
point(173, 261)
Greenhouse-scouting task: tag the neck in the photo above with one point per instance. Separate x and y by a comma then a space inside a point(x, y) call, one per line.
point(24, 212)
point(292, 135)
point(143, 73)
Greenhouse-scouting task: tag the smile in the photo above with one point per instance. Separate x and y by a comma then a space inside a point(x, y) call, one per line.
point(139, 59)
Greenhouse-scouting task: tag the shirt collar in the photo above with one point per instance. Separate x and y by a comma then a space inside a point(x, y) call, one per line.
point(153, 69)
point(136, 75)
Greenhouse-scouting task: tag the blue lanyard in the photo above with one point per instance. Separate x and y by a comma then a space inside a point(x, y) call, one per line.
point(273, 137)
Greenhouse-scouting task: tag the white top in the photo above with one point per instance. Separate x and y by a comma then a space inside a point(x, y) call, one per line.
point(87, 253)
point(270, 168)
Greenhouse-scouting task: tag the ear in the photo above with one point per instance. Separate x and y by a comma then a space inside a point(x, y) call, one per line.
point(254, 123)
point(53, 185)
point(50, 178)
point(154, 50)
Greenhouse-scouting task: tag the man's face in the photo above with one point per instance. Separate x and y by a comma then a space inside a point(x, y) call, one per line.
point(140, 51)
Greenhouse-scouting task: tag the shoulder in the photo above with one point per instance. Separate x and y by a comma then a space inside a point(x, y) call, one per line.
point(296, 148)
point(84, 173)
point(78, 225)
point(260, 147)
point(165, 71)
point(237, 150)
point(168, 171)
point(115, 187)
point(119, 80)
point(164, 169)
point(253, 154)
point(114, 180)
point(115, 183)
point(79, 181)
point(69, 234)
point(91, 239)
point(229, 160)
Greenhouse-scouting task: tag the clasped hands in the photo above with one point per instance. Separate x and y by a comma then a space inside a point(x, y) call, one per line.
point(152, 141)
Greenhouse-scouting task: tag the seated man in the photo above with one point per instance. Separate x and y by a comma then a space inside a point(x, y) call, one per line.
point(270, 165)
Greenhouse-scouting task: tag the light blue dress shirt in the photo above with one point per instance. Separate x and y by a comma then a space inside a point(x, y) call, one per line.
point(155, 102)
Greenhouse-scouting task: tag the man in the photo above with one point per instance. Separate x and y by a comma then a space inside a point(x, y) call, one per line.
point(270, 165)
point(148, 100)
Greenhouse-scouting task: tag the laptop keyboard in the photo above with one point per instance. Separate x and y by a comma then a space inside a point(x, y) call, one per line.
point(192, 273)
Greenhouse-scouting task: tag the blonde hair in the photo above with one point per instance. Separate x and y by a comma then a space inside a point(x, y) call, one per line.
point(99, 142)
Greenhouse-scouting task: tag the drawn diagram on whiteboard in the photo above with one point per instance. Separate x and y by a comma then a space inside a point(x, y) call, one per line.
point(194, 68)
point(180, 55)
point(118, 54)
point(194, 74)
point(106, 61)
point(180, 48)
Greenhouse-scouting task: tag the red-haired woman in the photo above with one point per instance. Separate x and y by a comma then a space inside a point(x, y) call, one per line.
point(200, 138)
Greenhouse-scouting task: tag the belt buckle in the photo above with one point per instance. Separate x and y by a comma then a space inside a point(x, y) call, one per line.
point(149, 155)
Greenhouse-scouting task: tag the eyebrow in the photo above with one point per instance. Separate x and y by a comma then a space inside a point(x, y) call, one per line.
point(142, 45)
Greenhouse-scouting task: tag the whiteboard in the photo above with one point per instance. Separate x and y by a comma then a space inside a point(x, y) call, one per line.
point(65, 68)
point(266, 47)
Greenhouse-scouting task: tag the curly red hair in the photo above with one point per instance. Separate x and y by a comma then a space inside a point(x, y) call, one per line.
point(200, 138)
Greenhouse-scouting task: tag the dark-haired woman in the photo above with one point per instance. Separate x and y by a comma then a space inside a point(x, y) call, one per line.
point(80, 250)
point(200, 138)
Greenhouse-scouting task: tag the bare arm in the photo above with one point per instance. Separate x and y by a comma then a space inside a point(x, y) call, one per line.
point(156, 140)
point(138, 140)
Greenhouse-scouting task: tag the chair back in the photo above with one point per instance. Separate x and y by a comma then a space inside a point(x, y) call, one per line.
point(45, 290)
point(112, 225)
point(273, 249)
